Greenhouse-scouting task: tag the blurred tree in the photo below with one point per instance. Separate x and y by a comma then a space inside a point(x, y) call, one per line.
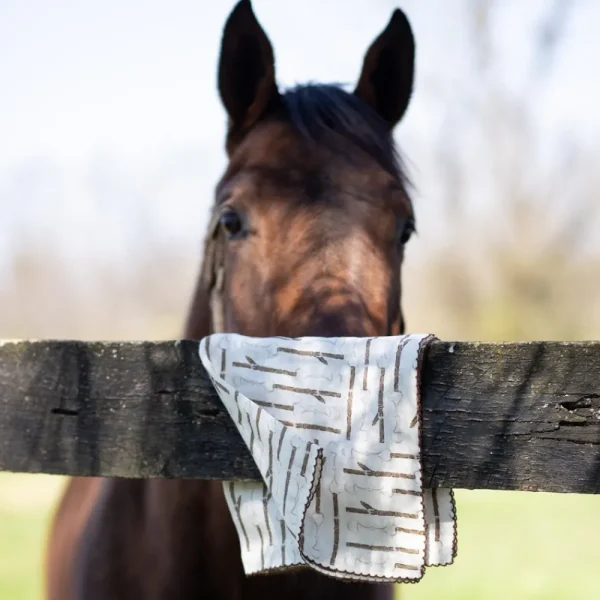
point(521, 269)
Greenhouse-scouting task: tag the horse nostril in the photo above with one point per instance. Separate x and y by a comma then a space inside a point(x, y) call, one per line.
point(346, 320)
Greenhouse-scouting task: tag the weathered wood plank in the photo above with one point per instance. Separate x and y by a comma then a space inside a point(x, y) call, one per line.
point(496, 416)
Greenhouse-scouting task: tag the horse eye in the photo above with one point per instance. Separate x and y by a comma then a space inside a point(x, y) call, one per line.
point(406, 227)
point(232, 224)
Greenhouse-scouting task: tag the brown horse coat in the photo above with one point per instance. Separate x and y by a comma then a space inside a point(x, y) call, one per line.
point(310, 222)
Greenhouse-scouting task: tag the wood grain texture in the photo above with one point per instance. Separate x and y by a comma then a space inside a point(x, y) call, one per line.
point(495, 416)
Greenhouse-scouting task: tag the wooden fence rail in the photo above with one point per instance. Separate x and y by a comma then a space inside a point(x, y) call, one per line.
point(518, 416)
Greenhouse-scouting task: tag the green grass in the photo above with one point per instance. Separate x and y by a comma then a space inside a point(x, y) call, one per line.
point(511, 545)
point(520, 545)
point(21, 537)
point(25, 503)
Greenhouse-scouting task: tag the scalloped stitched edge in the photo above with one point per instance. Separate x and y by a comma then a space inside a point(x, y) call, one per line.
point(348, 575)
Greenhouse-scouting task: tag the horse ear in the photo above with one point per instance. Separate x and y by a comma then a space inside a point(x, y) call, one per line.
point(386, 80)
point(246, 70)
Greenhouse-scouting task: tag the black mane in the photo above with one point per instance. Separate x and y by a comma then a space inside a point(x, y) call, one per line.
point(327, 114)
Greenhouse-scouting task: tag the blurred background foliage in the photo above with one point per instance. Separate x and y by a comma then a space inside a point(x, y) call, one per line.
point(507, 251)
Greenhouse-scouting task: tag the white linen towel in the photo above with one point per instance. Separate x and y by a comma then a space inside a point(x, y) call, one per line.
point(333, 425)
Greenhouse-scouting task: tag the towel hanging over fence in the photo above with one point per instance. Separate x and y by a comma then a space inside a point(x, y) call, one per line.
point(333, 425)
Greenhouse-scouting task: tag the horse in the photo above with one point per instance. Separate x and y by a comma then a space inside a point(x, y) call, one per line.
point(307, 237)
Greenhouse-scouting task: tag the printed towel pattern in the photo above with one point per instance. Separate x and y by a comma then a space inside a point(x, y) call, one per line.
point(333, 425)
